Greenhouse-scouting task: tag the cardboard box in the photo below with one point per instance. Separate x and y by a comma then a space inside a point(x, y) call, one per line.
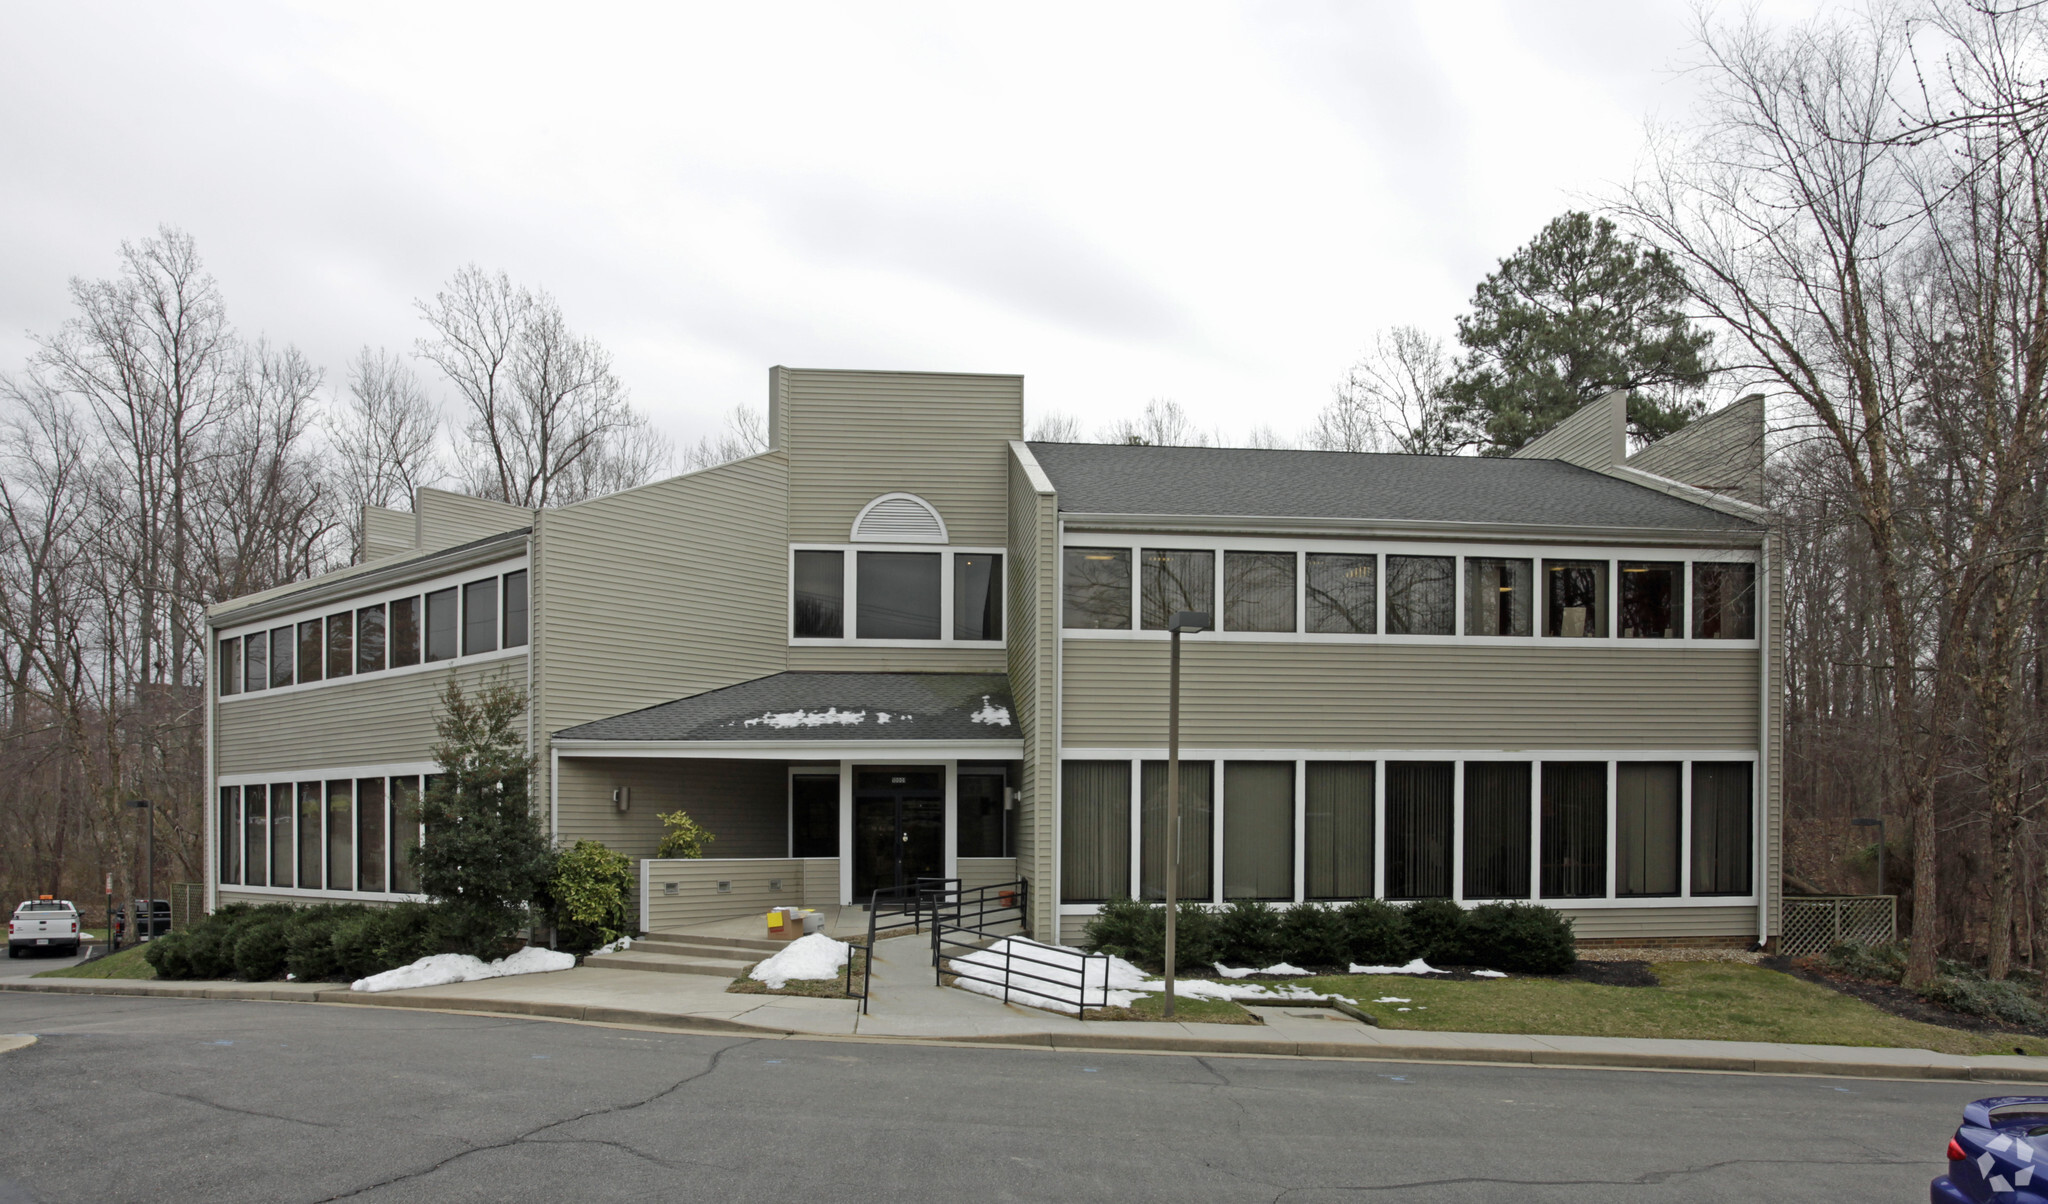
point(785, 924)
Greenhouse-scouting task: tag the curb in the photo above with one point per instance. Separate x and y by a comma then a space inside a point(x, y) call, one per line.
point(1090, 1041)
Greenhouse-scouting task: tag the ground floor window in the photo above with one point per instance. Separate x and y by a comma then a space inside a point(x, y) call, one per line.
point(814, 815)
point(405, 833)
point(1258, 830)
point(981, 826)
point(370, 846)
point(339, 835)
point(1497, 829)
point(1095, 830)
point(1721, 839)
point(1646, 811)
point(1197, 831)
point(230, 867)
point(281, 829)
point(1419, 829)
point(341, 830)
point(1574, 829)
point(1337, 844)
point(311, 797)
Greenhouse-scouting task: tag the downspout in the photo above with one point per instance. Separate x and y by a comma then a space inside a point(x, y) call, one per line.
point(1765, 598)
point(210, 795)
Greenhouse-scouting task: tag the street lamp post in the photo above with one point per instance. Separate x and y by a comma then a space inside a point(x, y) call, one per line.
point(149, 903)
point(1183, 621)
point(1878, 823)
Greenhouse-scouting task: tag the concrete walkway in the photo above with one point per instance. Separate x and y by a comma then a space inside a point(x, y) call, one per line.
point(907, 1006)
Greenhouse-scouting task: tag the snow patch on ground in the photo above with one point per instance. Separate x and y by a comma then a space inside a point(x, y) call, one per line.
point(1392, 999)
point(619, 946)
point(991, 713)
point(441, 969)
point(1279, 971)
point(1418, 966)
point(1058, 978)
point(812, 957)
point(803, 718)
point(1488, 974)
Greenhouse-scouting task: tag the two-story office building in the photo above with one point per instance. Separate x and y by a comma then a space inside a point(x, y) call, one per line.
point(904, 642)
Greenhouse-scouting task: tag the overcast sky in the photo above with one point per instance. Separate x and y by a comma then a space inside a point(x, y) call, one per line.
point(1216, 204)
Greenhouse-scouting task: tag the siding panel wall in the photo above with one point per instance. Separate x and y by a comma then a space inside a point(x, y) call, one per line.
point(745, 804)
point(363, 722)
point(851, 658)
point(1248, 695)
point(446, 519)
point(1033, 573)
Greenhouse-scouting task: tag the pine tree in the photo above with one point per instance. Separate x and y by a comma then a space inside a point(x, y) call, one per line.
point(1580, 311)
point(484, 858)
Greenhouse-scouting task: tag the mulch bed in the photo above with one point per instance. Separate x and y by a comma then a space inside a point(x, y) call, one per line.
point(1612, 974)
point(1900, 1002)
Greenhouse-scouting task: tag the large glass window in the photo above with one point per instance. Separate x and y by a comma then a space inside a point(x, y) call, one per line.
point(1421, 595)
point(980, 826)
point(1095, 830)
point(282, 656)
point(1723, 601)
point(1258, 591)
point(341, 651)
point(1651, 601)
point(1646, 806)
point(405, 632)
point(405, 834)
point(1097, 591)
point(515, 609)
point(1419, 828)
point(341, 830)
point(814, 815)
point(282, 830)
point(1337, 835)
point(896, 595)
point(230, 667)
point(480, 616)
point(312, 650)
point(1499, 596)
point(977, 596)
point(1574, 830)
point(1343, 593)
point(1575, 598)
point(1197, 831)
point(370, 841)
point(1496, 829)
point(820, 610)
point(230, 829)
point(1172, 581)
point(256, 662)
point(1258, 829)
point(256, 832)
point(1721, 827)
point(442, 625)
point(309, 826)
point(370, 639)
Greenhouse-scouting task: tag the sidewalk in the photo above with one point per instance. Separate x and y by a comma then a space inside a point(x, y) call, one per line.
point(908, 1007)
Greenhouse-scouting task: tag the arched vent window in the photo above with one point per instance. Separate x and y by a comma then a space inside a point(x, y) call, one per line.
point(899, 518)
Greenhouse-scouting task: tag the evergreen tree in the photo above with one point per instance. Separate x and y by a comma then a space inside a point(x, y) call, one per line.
point(484, 858)
point(1580, 311)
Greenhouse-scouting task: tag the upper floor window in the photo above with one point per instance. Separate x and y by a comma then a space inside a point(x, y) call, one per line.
point(923, 596)
point(1576, 598)
point(1098, 589)
point(1723, 601)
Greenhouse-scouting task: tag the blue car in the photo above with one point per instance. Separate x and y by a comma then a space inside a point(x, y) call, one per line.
point(1999, 1154)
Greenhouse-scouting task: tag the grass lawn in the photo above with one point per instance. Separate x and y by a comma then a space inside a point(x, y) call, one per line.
point(816, 988)
point(1720, 1001)
point(127, 963)
point(1193, 1011)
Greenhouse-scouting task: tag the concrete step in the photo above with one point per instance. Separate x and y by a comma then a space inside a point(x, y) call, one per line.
point(750, 944)
point(668, 963)
point(700, 951)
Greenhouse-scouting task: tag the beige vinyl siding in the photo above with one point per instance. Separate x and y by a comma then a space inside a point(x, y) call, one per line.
point(1033, 540)
point(389, 532)
point(853, 436)
point(662, 592)
point(361, 722)
point(751, 890)
point(852, 658)
point(986, 871)
point(821, 881)
point(1595, 436)
point(1350, 696)
point(1073, 931)
point(445, 519)
point(744, 804)
point(1723, 452)
point(1662, 923)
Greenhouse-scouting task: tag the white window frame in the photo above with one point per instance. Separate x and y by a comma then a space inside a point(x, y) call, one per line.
point(353, 774)
point(850, 600)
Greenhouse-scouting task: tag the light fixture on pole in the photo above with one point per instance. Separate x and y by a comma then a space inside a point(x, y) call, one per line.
point(1878, 823)
point(1183, 621)
point(149, 904)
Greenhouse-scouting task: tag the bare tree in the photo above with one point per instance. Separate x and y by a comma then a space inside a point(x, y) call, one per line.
point(1264, 436)
point(548, 421)
point(1054, 426)
point(1392, 399)
point(385, 436)
point(745, 434)
point(1163, 424)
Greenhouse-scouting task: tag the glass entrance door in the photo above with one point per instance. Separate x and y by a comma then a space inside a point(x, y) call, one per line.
point(899, 828)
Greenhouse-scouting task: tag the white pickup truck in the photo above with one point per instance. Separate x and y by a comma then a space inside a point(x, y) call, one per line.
point(44, 923)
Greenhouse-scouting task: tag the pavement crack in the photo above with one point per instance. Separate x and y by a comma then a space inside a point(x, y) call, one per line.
point(1646, 1179)
point(717, 1056)
point(207, 1103)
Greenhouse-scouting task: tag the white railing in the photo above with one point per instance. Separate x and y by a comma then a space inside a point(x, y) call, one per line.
point(1815, 924)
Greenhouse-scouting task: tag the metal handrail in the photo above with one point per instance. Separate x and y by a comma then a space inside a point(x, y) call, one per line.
point(971, 913)
point(890, 896)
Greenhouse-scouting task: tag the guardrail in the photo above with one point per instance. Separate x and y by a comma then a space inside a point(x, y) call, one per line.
point(963, 920)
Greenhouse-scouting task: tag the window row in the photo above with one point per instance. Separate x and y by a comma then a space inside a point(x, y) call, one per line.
point(896, 595)
point(983, 826)
point(468, 619)
point(1344, 593)
point(347, 834)
point(1529, 830)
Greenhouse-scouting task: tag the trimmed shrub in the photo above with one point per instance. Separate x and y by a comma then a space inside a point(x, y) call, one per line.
point(309, 942)
point(1878, 963)
point(1312, 935)
point(260, 947)
point(682, 836)
point(1136, 932)
point(1248, 934)
point(1195, 938)
point(588, 892)
point(376, 939)
point(1119, 930)
point(1973, 996)
point(1375, 933)
point(1522, 938)
point(1436, 930)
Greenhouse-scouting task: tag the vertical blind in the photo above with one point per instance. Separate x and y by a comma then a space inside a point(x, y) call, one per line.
point(1421, 595)
point(341, 828)
point(1646, 806)
point(1258, 591)
point(1337, 835)
point(230, 861)
point(1172, 581)
point(1419, 829)
point(1496, 829)
point(1258, 830)
point(1342, 593)
point(1095, 830)
point(1197, 831)
point(1720, 827)
point(1499, 596)
point(370, 834)
point(1574, 829)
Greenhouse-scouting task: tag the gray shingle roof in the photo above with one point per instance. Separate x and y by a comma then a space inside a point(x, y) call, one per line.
point(1097, 478)
point(826, 706)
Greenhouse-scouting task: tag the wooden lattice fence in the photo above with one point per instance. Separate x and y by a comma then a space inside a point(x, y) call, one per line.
point(1813, 925)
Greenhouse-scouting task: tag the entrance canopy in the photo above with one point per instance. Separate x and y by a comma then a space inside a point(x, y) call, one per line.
point(840, 715)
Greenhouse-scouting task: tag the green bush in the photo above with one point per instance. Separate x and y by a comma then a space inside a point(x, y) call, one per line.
point(485, 858)
point(260, 947)
point(1436, 931)
point(1248, 934)
point(1375, 933)
point(310, 955)
point(1197, 940)
point(376, 939)
point(1136, 932)
point(682, 836)
point(1878, 963)
point(1522, 938)
point(1975, 996)
point(588, 893)
point(1312, 935)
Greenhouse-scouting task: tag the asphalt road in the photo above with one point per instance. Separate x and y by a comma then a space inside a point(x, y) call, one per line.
point(161, 1099)
point(36, 963)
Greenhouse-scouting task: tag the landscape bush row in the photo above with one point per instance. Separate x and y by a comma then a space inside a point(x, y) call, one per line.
point(1957, 986)
point(1522, 938)
point(336, 942)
